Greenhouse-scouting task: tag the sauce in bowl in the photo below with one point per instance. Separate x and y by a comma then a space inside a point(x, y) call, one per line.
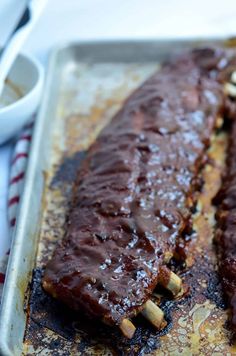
point(11, 93)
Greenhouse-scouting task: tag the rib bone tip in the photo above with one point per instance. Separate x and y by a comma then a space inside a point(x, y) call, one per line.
point(233, 77)
point(219, 122)
point(153, 314)
point(127, 328)
point(230, 89)
point(170, 280)
point(47, 286)
point(175, 283)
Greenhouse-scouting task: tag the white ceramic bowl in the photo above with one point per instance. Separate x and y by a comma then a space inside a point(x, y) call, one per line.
point(24, 93)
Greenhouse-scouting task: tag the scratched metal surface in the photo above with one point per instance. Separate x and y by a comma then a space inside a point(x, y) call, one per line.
point(87, 84)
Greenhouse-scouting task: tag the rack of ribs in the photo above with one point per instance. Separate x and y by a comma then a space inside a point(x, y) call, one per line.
point(135, 191)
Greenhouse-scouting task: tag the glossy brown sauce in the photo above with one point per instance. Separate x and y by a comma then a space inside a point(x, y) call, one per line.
point(135, 190)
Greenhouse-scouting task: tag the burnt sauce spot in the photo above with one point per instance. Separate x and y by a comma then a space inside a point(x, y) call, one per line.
point(42, 305)
point(67, 169)
point(214, 291)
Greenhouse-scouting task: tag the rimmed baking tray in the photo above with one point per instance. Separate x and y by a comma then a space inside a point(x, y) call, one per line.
point(86, 84)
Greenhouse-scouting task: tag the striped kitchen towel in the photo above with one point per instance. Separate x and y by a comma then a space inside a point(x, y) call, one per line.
point(16, 182)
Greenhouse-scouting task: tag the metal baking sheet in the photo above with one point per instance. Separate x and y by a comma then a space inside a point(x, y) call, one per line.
point(86, 84)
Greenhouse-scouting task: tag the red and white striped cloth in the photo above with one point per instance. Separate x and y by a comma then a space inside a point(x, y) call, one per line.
point(16, 182)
